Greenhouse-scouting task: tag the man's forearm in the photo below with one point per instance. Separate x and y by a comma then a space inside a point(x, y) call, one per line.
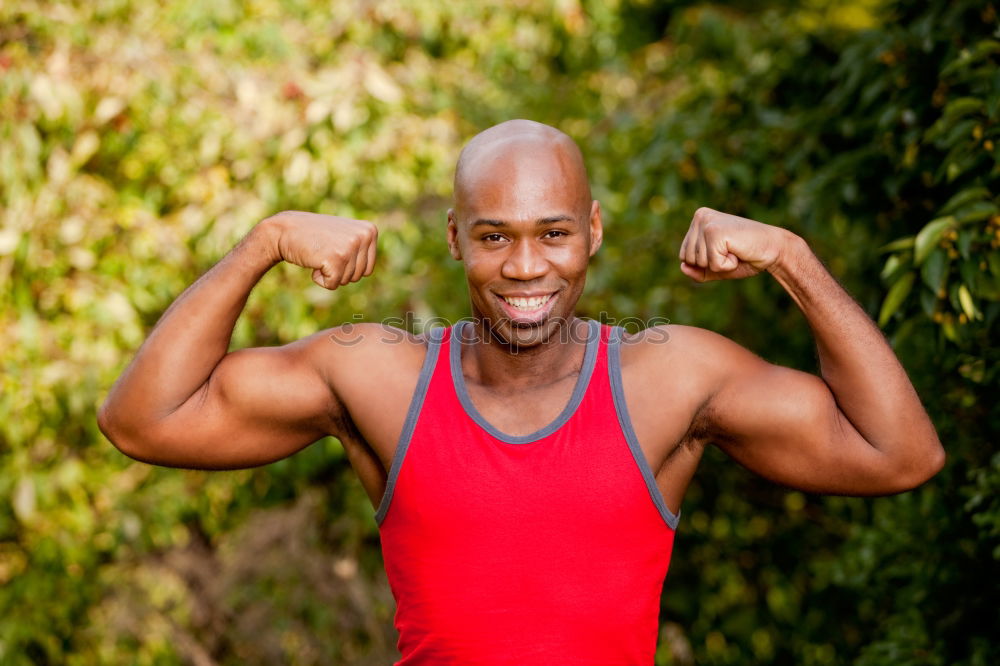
point(192, 336)
point(870, 385)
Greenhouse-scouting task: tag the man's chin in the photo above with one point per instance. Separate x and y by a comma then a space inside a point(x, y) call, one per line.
point(525, 335)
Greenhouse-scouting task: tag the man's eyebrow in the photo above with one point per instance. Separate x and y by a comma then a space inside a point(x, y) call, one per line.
point(551, 219)
point(488, 223)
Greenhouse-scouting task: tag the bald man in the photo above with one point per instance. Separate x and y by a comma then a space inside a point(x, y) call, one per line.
point(526, 466)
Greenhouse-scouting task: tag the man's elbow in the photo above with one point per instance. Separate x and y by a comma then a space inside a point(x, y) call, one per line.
point(920, 471)
point(115, 432)
point(936, 460)
point(105, 423)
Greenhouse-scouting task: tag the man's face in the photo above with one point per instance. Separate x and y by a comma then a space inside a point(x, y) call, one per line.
point(525, 228)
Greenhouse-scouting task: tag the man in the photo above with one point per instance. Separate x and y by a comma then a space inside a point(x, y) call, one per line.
point(528, 466)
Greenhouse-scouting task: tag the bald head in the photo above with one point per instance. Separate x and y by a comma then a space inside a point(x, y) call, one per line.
point(510, 155)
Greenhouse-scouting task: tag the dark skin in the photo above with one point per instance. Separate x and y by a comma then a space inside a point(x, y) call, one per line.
point(525, 227)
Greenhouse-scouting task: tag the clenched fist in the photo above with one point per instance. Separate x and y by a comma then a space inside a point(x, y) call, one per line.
point(338, 249)
point(719, 246)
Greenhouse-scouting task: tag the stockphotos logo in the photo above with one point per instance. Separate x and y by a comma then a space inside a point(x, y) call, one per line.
point(395, 330)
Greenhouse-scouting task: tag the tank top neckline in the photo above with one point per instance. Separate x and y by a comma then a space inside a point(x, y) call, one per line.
point(579, 390)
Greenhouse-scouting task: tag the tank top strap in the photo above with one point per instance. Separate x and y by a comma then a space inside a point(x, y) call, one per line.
point(437, 338)
point(612, 372)
point(596, 389)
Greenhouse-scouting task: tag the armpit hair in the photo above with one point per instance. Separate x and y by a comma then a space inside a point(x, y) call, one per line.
point(704, 429)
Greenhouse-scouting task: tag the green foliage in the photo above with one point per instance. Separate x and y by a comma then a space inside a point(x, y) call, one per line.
point(956, 254)
point(858, 140)
point(139, 142)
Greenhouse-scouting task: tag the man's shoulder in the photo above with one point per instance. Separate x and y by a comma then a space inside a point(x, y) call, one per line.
point(373, 349)
point(665, 340)
point(372, 336)
point(672, 348)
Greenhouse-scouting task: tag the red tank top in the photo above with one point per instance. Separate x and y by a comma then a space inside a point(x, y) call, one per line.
point(548, 548)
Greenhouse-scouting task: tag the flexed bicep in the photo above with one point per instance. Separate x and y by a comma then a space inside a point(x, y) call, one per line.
point(785, 425)
point(259, 405)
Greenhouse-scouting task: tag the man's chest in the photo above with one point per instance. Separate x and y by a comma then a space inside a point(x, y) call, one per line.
point(660, 418)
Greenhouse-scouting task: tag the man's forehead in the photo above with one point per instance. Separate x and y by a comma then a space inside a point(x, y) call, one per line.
point(521, 165)
point(521, 185)
point(508, 162)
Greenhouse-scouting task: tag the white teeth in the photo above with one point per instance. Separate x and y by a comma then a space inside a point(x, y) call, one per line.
point(527, 304)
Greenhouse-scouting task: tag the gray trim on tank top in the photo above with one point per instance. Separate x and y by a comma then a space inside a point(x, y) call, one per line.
point(586, 370)
point(435, 337)
point(618, 391)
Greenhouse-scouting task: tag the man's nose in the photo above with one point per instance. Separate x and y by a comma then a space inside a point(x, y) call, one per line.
point(525, 262)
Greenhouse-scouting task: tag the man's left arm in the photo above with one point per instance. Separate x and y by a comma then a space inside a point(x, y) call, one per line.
point(858, 430)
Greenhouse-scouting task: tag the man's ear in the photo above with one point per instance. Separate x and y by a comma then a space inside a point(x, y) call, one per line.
point(596, 227)
point(453, 247)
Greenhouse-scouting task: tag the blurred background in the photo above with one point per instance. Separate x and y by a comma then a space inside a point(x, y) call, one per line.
point(139, 141)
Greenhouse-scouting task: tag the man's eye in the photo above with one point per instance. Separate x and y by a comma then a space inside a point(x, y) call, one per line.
point(555, 233)
point(493, 238)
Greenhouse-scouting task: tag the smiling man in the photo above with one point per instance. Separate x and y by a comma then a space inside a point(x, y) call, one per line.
point(527, 467)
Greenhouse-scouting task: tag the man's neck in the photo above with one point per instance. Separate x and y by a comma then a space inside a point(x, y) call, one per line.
point(491, 362)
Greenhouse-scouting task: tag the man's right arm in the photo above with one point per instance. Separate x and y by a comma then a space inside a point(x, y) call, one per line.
point(185, 402)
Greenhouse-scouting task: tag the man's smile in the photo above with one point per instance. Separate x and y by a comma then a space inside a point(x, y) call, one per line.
point(527, 307)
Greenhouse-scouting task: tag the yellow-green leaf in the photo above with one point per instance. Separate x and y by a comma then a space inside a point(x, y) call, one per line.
point(976, 212)
point(899, 244)
point(962, 106)
point(897, 294)
point(964, 197)
point(890, 266)
point(948, 325)
point(929, 236)
point(968, 306)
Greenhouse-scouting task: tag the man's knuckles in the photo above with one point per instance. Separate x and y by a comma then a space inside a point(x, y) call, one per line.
point(716, 261)
point(704, 214)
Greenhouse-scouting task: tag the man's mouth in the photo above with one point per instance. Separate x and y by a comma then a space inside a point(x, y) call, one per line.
point(527, 304)
point(527, 309)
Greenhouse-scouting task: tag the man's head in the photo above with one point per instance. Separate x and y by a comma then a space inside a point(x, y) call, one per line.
point(525, 226)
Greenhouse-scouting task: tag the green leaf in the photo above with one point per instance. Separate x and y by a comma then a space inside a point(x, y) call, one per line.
point(928, 301)
point(897, 294)
point(948, 132)
point(964, 242)
point(969, 273)
point(892, 267)
point(964, 197)
point(904, 331)
point(982, 48)
point(928, 237)
point(934, 270)
point(959, 137)
point(962, 106)
point(976, 211)
point(956, 304)
point(985, 47)
point(993, 260)
point(899, 244)
point(948, 326)
point(968, 306)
